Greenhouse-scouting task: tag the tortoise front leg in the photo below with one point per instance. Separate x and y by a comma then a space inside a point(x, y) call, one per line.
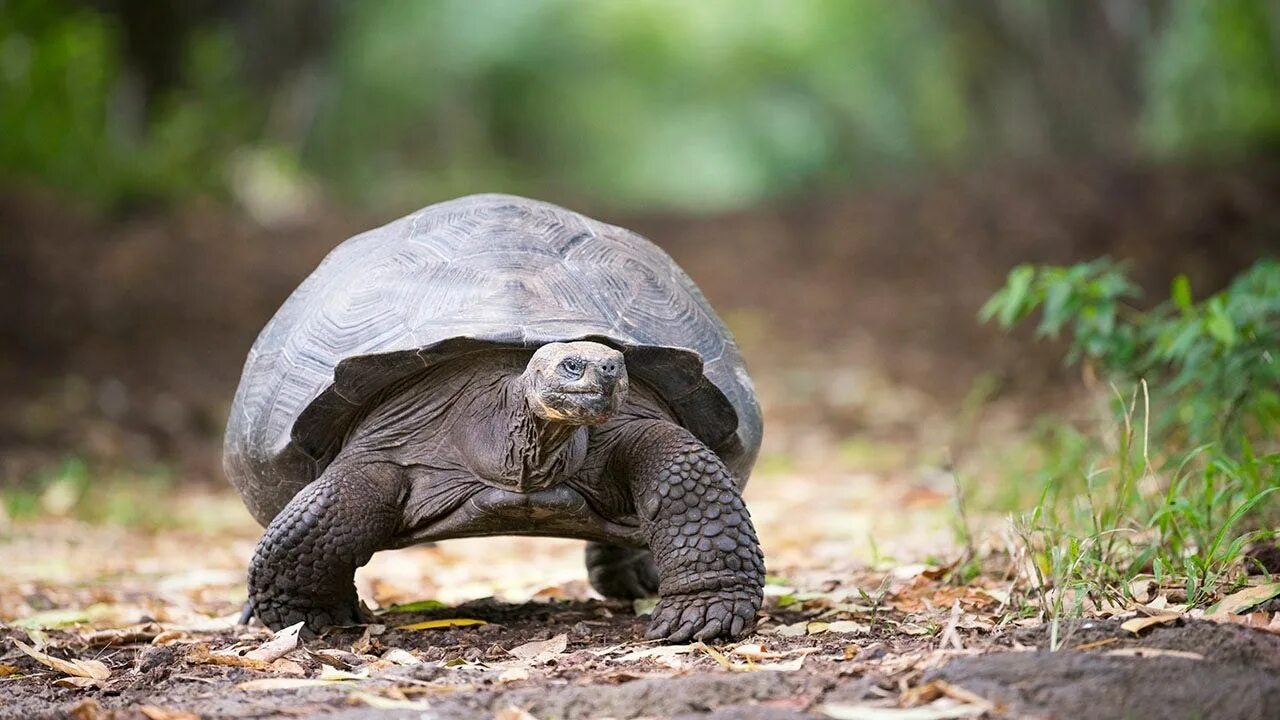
point(304, 566)
point(709, 562)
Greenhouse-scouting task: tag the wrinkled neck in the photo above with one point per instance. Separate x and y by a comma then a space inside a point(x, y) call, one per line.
point(525, 451)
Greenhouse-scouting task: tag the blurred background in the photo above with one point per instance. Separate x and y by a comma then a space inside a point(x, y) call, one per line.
point(848, 181)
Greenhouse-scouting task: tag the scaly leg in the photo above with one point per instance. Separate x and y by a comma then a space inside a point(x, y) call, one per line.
point(621, 572)
point(304, 566)
point(709, 561)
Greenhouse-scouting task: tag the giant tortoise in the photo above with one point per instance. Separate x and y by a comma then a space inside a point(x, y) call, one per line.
point(494, 365)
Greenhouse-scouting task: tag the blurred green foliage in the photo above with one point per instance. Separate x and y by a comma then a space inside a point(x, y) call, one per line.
point(1211, 365)
point(1188, 478)
point(69, 118)
point(646, 103)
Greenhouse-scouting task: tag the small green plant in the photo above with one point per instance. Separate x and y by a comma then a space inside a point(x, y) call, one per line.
point(1187, 480)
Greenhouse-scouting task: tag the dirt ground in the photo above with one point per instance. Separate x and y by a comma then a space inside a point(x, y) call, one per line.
point(513, 631)
point(120, 587)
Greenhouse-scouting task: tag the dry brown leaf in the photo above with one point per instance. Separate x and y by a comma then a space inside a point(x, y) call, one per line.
point(329, 673)
point(1097, 644)
point(1237, 603)
point(92, 669)
point(201, 654)
point(76, 682)
point(401, 657)
point(1154, 652)
point(941, 710)
point(1257, 620)
point(285, 666)
point(754, 651)
point(87, 709)
point(1138, 624)
point(1143, 589)
point(153, 712)
point(540, 651)
point(280, 644)
point(170, 637)
point(513, 674)
point(122, 636)
point(7, 670)
point(793, 630)
point(788, 666)
point(381, 702)
point(664, 655)
point(334, 657)
point(363, 645)
point(283, 683)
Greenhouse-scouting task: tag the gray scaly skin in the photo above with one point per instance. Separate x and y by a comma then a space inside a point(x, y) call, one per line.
point(554, 444)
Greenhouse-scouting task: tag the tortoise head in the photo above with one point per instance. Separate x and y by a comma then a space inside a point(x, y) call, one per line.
point(579, 383)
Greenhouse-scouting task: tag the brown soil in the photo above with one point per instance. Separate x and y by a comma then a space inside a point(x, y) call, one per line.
point(1237, 676)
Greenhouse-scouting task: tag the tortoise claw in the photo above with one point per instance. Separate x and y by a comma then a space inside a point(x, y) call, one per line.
point(723, 615)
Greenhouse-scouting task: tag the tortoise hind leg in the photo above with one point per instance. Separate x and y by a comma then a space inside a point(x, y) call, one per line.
point(304, 567)
point(621, 572)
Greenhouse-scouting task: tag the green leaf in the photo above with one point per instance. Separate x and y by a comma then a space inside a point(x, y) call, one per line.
point(1181, 293)
point(417, 606)
point(1017, 290)
point(443, 623)
point(1219, 325)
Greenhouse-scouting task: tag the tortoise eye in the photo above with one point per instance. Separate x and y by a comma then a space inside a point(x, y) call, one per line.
point(572, 367)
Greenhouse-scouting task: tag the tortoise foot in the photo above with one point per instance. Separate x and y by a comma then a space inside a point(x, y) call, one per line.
point(621, 572)
point(707, 615)
point(280, 613)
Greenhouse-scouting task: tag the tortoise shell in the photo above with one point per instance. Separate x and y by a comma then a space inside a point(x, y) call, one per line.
point(465, 275)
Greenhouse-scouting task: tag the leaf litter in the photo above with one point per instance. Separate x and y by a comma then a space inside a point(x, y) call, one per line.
point(825, 619)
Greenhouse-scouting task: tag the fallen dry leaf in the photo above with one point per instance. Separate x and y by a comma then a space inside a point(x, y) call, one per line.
point(931, 691)
point(444, 623)
point(1138, 624)
point(665, 655)
point(76, 682)
point(401, 657)
point(152, 712)
point(381, 702)
point(331, 673)
point(87, 709)
point(280, 644)
point(1237, 603)
point(513, 674)
point(941, 710)
point(540, 651)
point(365, 643)
point(753, 651)
point(788, 666)
point(283, 683)
point(848, 627)
point(7, 670)
point(92, 669)
point(200, 653)
point(793, 630)
point(170, 637)
point(284, 666)
point(1154, 652)
point(1097, 643)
